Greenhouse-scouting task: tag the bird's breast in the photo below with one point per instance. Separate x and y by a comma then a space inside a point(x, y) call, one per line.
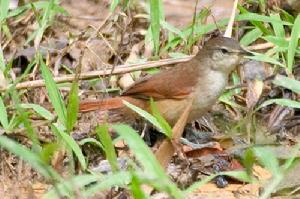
point(207, 92)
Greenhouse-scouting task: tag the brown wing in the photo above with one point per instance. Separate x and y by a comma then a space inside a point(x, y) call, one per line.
point(175, 83)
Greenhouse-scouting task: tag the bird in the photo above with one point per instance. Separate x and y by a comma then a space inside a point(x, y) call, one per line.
point(199, 81)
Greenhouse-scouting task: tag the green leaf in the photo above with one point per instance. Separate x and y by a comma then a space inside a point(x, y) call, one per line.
point(147, 160)
point(30, 157)
point(278, 27)
point(114, 4)
point(73, 107)
point(267, 159)
point(91, 141)
point(163, 123)
point(288, 83)
point(71, 143)
point(44, 24)
point(177, 55)
point(109, 149)
point(293, 44)
point(4, 6)
point(136, 187)
point(155, 23)
point(251, 36)
point(147, 116)
point(53, 93)
point(260, 18)
point(172, 29)
point(281, 102)
point(119, 179)
point(39, 110)
point(265, 58)
point(3, 115)
point(278, 41)
point(48, 151)
point(253, 18)
point(66, 187)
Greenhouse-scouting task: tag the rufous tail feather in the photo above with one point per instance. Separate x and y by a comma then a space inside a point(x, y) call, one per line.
point(108, 104)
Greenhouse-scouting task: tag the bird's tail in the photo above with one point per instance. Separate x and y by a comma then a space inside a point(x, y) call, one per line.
point(107, 104)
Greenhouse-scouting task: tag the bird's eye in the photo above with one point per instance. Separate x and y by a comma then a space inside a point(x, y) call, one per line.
point(224, 50)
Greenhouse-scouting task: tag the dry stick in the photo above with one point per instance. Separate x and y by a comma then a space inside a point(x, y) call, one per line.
point(228, 32)
point(126, 68)
point(166, 150)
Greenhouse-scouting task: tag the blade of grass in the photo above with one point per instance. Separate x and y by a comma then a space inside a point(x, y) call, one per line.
point(73, 106)
point(109, 149)
point(114, 4)
point(39, 110)
point(293, 44)
point(287, 82)
point(91, 141)
point(3, 115)
point(146, 158)
point(278, 27)
point(251, 36)
point(155, 24)
point(163, 123)
point(71, 143)
point(53, 92)
point(30, 157)
point(147, 116)
point(281, 102)
point(64, 188)
point(265, 58)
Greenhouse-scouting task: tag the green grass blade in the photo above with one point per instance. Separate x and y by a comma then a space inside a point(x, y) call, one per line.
point(251, 36)
point(267, 159)
point(73, 107)
point(3, 115)
point(281, 102)
point(53, 93)
point(162, 121)
point(30, 157)
point(147, 116)
point(109, 149)
point(155, 24)
point(136, 188)
point(278, 41)
point(4, 7)
point(265, 58)
point(71, 143)
point(91, 141)
point(293, 44)
point(119, 179)
point(44, 24)
point(288, 83)
point(278, 27)
point(39, 110)
point(147, 160)
point(114, 4)
point(173, 29)
point(64, 188)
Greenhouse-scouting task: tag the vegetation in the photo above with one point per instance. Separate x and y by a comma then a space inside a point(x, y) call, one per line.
point(280, 29)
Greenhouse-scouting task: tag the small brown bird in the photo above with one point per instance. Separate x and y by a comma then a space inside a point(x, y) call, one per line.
point(200, 80)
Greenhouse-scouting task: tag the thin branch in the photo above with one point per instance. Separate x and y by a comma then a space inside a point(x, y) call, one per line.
point(121, 69)
point(228, 32)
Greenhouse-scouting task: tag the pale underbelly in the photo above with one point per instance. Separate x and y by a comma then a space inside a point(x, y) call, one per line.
point(171, 110)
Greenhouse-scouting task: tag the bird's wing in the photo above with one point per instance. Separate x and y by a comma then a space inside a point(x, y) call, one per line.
point(175, 83)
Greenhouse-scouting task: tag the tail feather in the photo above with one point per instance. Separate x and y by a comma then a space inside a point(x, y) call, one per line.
point(107, 104)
